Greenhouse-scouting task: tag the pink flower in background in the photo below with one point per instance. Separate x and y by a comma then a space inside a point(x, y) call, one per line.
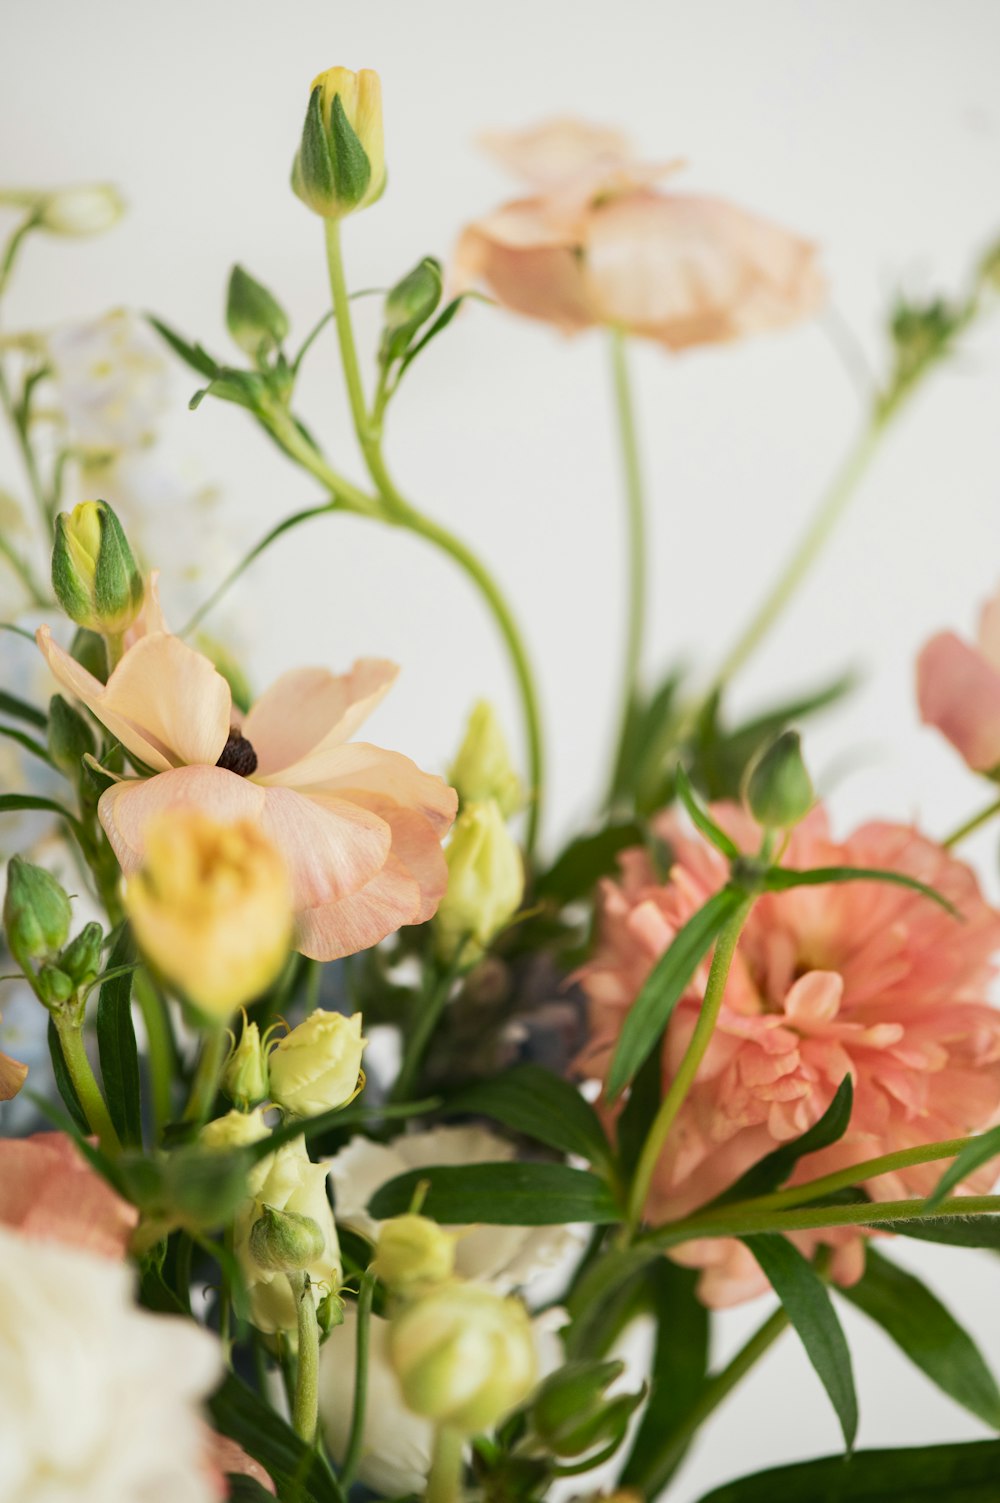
point(596, 244)
point(48, 1190)
point(225, 1457)
point(359, 827)
point(864, 979)
point(958, 690)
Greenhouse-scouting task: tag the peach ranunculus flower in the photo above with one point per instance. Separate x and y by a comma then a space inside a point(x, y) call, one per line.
point(596, 244)
point(360, 828)
point(48, 1190)
point(958, 690)
point(859, 978)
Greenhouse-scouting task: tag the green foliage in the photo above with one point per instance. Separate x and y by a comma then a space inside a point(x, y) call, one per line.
point(961, 1473)
point(540, 1105)
point(298, 1472)
point(502, 1194)
point(978, 1152)
point(117, 1046)
point(772, 1171)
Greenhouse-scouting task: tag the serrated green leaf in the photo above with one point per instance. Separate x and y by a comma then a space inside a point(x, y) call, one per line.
point(808, 1306)
point(117, 1047)
point(928, 1333)
point(959, 1473)
point(979, 1151)
point(502, 1194)
point(783, 878)
point(770, 1172)
point(541, 1105)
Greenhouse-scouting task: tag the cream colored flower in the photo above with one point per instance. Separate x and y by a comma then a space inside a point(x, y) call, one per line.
point(110, 382)
point(287, 1181)
point(316, 1067)
point(485, 882)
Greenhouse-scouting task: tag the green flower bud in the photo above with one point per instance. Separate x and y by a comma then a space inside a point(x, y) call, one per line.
point(36, 913)
point(413, 1251)
point(88, 649)
point(483, 768)
point(81, 958)
point(285, 1241)
point(94, 576)
point(53, 985)
point(408, 305)
point(340, 163)
point(570, 1413)
point(485, 883)
point(70, 737)
point(779, 790)
point(330, 1313)
point(255, 319)
point(245, 1077)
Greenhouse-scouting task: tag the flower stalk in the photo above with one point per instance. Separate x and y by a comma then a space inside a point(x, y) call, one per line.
point(305, 1406)
point(636, 574)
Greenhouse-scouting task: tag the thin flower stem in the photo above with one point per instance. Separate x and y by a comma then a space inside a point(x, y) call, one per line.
point(70, 1031)
point(739, 1223)
point(161, 1053)
point(205, 1086)
point(23, 571)
point(401, 513)
point(660, 1466)
point(444, 1484)
point(636, 532)
point(305, 1404)
point(725, 948)
point(431, 1005)
point(352, 1455)
point(972, 824)
point(19, 426)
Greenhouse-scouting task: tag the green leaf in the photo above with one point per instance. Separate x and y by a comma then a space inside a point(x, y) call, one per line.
point(770, 1172)
point(702, 820)
point(979, 1151)
point(352, 169)
point(244, 1489)
point(637, 1115)
point(12, 803)
point(341, 1118)
point(928, 1333)
point(959, 1473)
point(28, 742)
point(440, 323)
point(541, 1105)
point(20, 709)
point(680, 1365)
point(64, 1084)
point(603, 1299)
point(117, 1047)
point(781, 878)
point(297, 1471)
point(246, 389)
point(650, 1012)
point(809, 1308)
point(193, 354)
point(504, 1194)
point(953, 1231)
point(578, 869)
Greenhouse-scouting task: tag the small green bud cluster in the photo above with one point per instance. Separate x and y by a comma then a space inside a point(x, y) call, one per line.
point(36, 916)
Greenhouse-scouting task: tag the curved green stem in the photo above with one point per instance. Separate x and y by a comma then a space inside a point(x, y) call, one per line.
point(401, 513)
point(432, 1003)
point(636, 533)
point(352, 1455)
point(205, 1087)
point(161, 1051)
point(739, 1223)
point(722, 959)
point(69, 1027)
point(444, 1484)
point(23, 571)
point(305, 1404)
point(972, 824)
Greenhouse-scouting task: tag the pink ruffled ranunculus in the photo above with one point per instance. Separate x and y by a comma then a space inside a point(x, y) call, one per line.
point(958, 690)
point(359, 827)
point(863, 979)
point(48, 1190)
point(597, 244)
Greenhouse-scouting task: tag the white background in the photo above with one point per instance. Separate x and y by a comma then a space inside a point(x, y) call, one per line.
point(873, 128)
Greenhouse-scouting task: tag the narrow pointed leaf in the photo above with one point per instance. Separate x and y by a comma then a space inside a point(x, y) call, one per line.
point(771, 1172)
point(980, 1151)
point(808, 1306)
point(959, 1473)
point(541, 1105)
point(192, 354)
point(117, 1046)
point(64, 1083)
point(13, 803)
point(579, 868)
point(781, 878)
point(954, 1231)
point(27, 742)
point(702, 820)
point(503, 1194)
point(680, 1365)
point(19, 709)
point(297, 1470)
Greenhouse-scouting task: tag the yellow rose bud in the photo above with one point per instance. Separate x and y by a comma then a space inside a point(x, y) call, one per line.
point(87, 210)
point(94, 575)
point(483, 768)
point(485, 882)
point(316, 1067)
point(244, 1079)
point(413, 1251)
point(211, 907)
point(463, 1355)
point(340, 163)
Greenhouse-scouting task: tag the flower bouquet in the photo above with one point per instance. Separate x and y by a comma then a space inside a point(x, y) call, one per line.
point(364, 1134)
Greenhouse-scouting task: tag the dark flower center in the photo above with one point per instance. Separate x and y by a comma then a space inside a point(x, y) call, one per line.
point(238, 755)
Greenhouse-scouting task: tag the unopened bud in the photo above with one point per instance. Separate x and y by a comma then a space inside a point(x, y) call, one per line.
point(53, 985)
point(408, 305)
point(571, 1414)
point(483, 768)
point(89, 650)
point(95, 578)
point(779, 791)
point(285, 1241)
point(36, 913)
point(340, 163)
point(485, 882)
point(255, 318)
point(330, 1313)
point(87, 210)
point(245, 1077)
point(81, 958)
point(70, 737)
point(413, 1252)
point(317, 1067)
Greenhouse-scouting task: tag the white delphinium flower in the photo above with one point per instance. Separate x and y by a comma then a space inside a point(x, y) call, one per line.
point(110, 381)
point(99, 1400)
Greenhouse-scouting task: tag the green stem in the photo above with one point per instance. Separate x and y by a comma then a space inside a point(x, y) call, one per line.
point(725, 948)
point(636, 531)
point(160, 1052)
point(23, 571)
point(655, 1475)
point(69, 1027)
point(444, 1484)
point(205, 1086)
point(305, 1405)
point(432, 1004)
point(972, 824)
point(352, 1455)
point(401, 513)
point(740, 1223)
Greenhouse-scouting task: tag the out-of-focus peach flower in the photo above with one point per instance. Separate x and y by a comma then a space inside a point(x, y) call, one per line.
point(359, 827)
point(596, 243)
point(13, 1074)
point(958, 690)
point(48, 1190)
point(225, 1457)
point(861, 979)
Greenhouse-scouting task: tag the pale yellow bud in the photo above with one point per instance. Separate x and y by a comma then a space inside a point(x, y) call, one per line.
point(211, 907)
point(340, 163)
point(463, 1355)
point(235, 1130)
point(485, 882)
point(413, 1252)
point(87, 210)
point(483, 767)
point(317, 1066)
point(244, 1079)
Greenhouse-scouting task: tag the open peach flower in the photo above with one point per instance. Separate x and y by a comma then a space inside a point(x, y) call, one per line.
point(359, 827)
point(862, 979)
point(49, 1191)
point(958, 690)
point(597, 244)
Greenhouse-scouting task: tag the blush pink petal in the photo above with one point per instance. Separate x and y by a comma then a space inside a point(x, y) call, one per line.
point(526, 265)
point(343, 927)
point(165, 702)
point(989, 632)
point(363, 773)
point(958, 692)
point(49, 1191)
point(554, 150)
point(13, 1074)
point(311, 710)
point(151, 618)
point(227, 1457)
